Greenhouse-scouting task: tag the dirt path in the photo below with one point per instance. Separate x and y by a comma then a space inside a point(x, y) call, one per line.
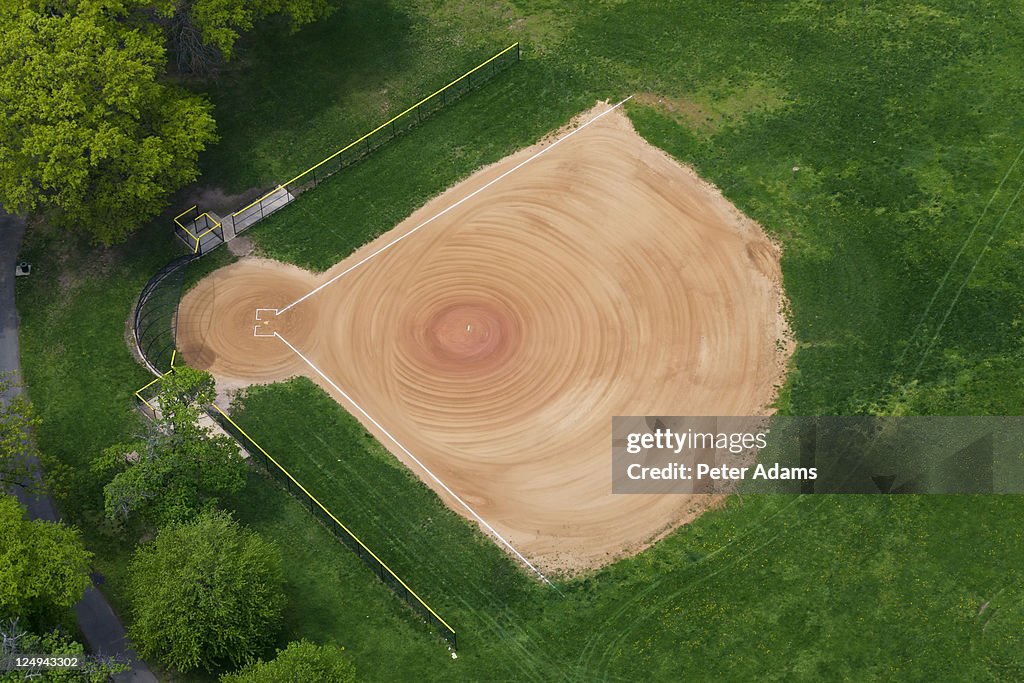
point(495, 344)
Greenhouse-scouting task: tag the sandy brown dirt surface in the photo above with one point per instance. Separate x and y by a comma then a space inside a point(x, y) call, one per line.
point(496, 343)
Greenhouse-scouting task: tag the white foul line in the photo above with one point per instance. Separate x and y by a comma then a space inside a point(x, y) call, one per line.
point(416, 460)
point(464, 199)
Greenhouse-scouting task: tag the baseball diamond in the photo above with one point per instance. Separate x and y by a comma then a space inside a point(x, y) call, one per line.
point(488, 339)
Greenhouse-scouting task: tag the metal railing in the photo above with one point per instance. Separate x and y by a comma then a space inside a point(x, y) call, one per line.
point(155, 320)
point(199, 231)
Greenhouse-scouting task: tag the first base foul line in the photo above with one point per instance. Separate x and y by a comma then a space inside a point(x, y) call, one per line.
point(472, 194)
point(416, 460)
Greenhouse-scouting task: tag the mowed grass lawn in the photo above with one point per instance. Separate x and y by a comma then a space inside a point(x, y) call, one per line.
point(806, 588)
point(875, 142)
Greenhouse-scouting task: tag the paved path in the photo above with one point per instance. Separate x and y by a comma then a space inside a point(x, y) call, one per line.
point(103, 631)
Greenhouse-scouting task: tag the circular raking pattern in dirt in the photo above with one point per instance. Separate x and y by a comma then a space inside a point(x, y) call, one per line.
point(467, 334)
point(496, 344)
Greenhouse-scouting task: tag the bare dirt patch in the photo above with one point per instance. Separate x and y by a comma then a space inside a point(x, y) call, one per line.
point(708, 113)
point(603, 278)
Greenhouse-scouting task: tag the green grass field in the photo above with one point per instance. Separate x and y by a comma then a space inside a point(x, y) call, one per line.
point(902, 261)
point(806, 587)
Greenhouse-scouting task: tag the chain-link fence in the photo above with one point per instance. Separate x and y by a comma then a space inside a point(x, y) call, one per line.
point(156, 314)
point(340, 531)
point(286, 192)
point(200, 232)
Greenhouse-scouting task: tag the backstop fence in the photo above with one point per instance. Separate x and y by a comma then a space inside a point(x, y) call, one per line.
point(286, 192)
point(340, 531)
point(155, 321)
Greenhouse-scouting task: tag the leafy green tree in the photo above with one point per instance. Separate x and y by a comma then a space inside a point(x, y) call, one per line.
point(17, 420)
point(15, 640)
point(43, 565)
point(203, 33)
point(87, 131)
point(205, 594)
point(299, 662)
point(179, 467)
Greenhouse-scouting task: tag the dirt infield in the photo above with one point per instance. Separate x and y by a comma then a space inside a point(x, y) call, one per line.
point(496, 343)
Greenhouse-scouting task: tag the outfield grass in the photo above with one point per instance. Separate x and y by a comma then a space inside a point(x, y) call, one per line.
point(902, 120)
point(804, 587)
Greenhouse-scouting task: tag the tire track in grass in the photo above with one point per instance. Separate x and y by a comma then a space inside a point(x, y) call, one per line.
point(614, 645)
point(400, 553)
point(798, 500)
point(610, 624)
point(803, 519)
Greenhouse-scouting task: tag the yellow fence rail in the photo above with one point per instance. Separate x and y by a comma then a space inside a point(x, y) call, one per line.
point(139, 392)
point(383, 571)
point(192, 227)
point(284, 192)
point(320, 511)
point(196, 227)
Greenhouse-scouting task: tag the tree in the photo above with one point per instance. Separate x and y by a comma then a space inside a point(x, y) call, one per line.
point(205, 593)
point(43, 565)
point(179, 467)
point(87, 131)
point(17, 420)
point(203, 33)
point(299, 662)
point(15, 640)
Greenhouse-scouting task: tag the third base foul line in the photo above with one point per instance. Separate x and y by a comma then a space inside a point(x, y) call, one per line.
point(416, 460)
point(472, 194)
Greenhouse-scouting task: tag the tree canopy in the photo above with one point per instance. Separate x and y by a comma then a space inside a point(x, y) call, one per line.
point(299, 662)
point(202, 33)
point(43, 565)
point(91, 130)
point(88, 132)
point(205, 593)
point(17, 420)
point(179, 466)
point(15, 640)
